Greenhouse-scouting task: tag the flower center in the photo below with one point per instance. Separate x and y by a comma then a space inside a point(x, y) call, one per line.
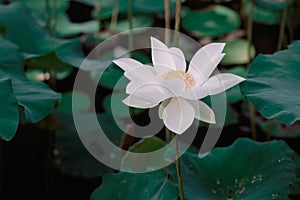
point(179, 74)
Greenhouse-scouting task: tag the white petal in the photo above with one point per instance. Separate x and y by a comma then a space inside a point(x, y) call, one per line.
point(216, 84)
point(205, 61)
point(137, 103)
point(144, 73)
point(174, 87)
point(162, 106)
point(149, 92)
point(203, 112)
point(161, 56)
point(179, 58)
point(179, 115)
point(127, 64)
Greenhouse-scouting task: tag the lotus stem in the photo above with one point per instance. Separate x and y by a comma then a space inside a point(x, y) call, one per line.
point(114, 18)
point(282, 26)
point(177, 21)
point(178, 169)
point(98, 8)
point(129, 16)
point(167, 22)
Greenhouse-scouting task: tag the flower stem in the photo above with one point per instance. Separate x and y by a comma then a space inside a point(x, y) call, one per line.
point(167, 22)
point(177, 21)
point(282, 26)
point(178, 168)
point(98, 8)
point(127, 139)
point(114, 18)
point(168, 135)
point(129, 16)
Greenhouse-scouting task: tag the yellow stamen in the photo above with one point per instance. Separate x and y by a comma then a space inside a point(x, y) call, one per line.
point(179, 74)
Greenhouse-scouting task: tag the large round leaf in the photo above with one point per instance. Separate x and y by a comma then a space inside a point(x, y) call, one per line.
point(154, 185)
point(211, 22)
point(245, 170)
point(272, 84)
point(37, 99)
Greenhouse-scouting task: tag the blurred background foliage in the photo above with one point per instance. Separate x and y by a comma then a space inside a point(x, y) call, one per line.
point(44, 42)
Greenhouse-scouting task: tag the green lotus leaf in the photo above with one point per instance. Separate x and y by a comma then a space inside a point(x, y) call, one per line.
point(273, 4)
point(9, 115)
point(46, 62)
point(271, 83)
point(37, 99)
point(154, 185)
point(64, 27)
point(245, 170)
point(113, 104)
point(211, 22)
point(74, 158)
point(237, 52)
point(138, 6)
point(234, 94)
point(146, 145)
point(37, 42)
point(82, 102)
point(152, 6)
point(262, 14)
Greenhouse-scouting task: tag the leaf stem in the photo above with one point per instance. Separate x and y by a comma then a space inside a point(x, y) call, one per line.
point(178, 168)
point(270, 128)
point(114, 18)
point(167, 22)
point(282, 26)
point(177, 21)
point(130, 25)
point(98, 8)
point(168, 135)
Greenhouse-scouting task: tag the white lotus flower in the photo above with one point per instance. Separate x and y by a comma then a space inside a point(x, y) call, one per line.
point(177, 87)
